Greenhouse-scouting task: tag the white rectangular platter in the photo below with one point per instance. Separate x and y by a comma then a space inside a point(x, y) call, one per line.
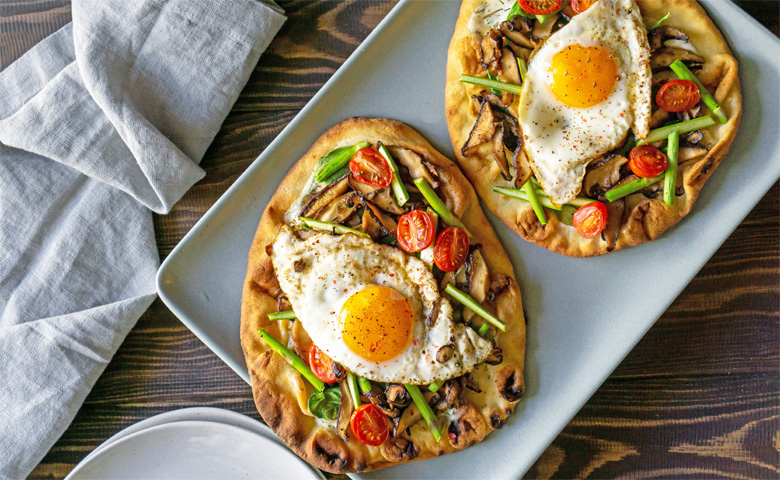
point(399, 72)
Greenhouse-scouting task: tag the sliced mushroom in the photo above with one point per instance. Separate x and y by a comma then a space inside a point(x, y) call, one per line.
point(689, 114)
point(542, 31)
point(604, 176)
point(376, 222)
point(477, 274)
point(397, 395)
point(659, 118)
point(384, 199)
point(694, 137)
point(339, 209)
point(391, 412)
point(665, 56)
point(516, 35)
point(345, 411)
point(325, 196)
point(659, 36)
point(509, 67)
point(365, 191)
point(496, 356)
point(509, 382)
point(689, 152)
point(483, 130)
point(490, 48)
point(415, 164)
point(445, 353)
point(471, 384)
point(499, 153)
point(498, 283)
point(522, 167)
point(615, 211)
point(662, 77)
point(468, 429)
point(450, 393)
point(398, 449)
point(409, 417)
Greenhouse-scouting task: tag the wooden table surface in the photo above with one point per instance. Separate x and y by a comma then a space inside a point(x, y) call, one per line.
point(698, 397)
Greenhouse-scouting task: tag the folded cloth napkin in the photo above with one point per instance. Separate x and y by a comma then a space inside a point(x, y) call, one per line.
point(100, 123)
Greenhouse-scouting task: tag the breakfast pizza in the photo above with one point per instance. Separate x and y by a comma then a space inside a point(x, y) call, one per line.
point(588, 126)
point(381, 322)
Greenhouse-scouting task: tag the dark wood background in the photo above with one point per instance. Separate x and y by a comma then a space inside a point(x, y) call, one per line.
point(698, 397)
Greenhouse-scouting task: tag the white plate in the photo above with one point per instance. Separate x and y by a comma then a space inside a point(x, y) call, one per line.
point(399, 72)
point(193, 449)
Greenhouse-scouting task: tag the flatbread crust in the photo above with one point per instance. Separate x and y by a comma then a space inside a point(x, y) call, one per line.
point(644, 220)
point(281, 393)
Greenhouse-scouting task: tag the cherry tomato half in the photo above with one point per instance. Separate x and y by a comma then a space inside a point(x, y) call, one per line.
point(321, 364)
point(370, 167)
point(415, 231)
point(451, 249)
point(540, 7)
point(678, 96)
point(370, 425)
point(580, 6)
point(590, 219)
point(647, 161)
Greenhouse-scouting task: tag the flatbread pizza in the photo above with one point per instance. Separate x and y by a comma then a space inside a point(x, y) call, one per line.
point(381, 321)
point(588, 126)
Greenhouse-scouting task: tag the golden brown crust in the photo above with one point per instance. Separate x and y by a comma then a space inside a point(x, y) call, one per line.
point(280, 392)
point(646, 219)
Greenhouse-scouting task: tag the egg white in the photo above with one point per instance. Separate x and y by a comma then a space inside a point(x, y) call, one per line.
point(561, 140)
point(334, 267)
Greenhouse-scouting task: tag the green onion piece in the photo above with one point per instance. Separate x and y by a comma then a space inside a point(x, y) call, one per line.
point(352, 384)
point(434, 387)
point(401, 195)
point(515, 11)
point(364, 384)
point(486, 82)
point(567, 214)
point(662, 20)
point(521, 195)
point(293, 359)
point(425, 410)
point(334, 228)
point(483, 329)
point(576, 201)
point(530, 192)
point(437, 205)
point(523, 67)
point(284, 315)
point(337, 159)
point(682, 127)
point(336, 175)
point(493, 77)
point(631, 187)
point(679, 68)
point(670, 176)
point(475, 307)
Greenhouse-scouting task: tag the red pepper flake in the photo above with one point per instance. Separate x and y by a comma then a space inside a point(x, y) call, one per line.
point(416, 342)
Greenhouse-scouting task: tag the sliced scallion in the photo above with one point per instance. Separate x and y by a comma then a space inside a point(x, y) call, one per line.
point(530, 192)
point(352, 385)
point(682, 127)
point(283, 315)
point(631, 187)
point(523, 67)
point(364, 384)
point(401, 195)
point(293, 359)
point(337, 159)
point(662, 20)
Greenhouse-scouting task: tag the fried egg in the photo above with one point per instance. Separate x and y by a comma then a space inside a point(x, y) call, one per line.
point(368, 307)
point(586, 86)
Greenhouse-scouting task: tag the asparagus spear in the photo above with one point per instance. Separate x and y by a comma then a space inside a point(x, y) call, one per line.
point(472, 305)
point(401, 195)
point(670, 176)
point(437, 205)
point(293, 359)
point(682, 127)
point(521, 195)
point(425, 410)
point(530, 192)
point(486, 82)
point(329, 226)
point(631, 187)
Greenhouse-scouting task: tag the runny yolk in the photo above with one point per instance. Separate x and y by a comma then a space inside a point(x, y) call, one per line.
point(583, 76)
point(376, 323)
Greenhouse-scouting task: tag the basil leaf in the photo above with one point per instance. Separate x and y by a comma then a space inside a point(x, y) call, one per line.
point(325, 404)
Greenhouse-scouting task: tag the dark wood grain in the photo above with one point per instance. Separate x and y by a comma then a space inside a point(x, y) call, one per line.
point(699, 397)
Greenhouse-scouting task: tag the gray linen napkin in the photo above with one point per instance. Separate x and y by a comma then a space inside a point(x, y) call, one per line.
point(99, 123)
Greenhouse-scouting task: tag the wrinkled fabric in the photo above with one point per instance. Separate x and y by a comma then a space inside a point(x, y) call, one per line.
point(101, 123)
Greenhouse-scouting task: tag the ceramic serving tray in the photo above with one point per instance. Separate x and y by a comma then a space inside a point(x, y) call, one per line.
point(399, 72)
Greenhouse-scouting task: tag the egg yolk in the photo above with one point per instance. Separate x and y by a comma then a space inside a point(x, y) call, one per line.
point(376, 323)
point(583, 76)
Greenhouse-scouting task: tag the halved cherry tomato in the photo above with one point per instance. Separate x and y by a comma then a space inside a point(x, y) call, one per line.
point(590, 219)
point(370, 167)
point(321, 364)
point(370, 425)
point(580, 6)
point(647, 161)
point(451, 249)
point(678, 96)
point(540, 7)
point(415, 231)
